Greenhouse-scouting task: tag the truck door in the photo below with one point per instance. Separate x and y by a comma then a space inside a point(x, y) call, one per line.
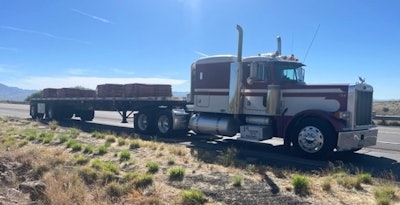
point(256, 85)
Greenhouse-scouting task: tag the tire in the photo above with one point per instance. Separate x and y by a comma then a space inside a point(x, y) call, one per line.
point(164, 123)
point(86, 115)
point(51, 113)
point(33, 111)
point(314, 138)
point(143, 123)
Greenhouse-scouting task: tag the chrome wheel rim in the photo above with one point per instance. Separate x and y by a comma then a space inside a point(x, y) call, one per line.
point(163, 124)
point(143, 122)
point(311, 139)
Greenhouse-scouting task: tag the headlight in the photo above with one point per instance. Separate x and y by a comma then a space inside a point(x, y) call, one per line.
point(342, 115)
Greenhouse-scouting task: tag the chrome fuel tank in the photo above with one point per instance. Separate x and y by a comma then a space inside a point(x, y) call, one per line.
point(216, 125)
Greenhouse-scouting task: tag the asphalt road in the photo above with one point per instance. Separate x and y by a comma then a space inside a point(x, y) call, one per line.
point(383, 157)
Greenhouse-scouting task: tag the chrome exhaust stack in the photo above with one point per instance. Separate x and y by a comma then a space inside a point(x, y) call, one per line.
point(279, 46)
point(236, 76)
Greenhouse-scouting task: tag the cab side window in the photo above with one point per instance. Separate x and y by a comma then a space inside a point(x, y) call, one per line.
point(258, 72)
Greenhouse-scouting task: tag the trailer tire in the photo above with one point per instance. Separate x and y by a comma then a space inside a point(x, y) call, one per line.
point(164, 123)
point(51, 113)
point(143, 122)
point(87, 115)
point(33, 111)
point(314, 138)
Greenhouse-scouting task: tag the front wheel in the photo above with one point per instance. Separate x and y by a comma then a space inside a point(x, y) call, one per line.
point(314, 138)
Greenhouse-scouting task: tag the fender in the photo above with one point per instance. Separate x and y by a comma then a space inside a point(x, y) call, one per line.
point(336, 124)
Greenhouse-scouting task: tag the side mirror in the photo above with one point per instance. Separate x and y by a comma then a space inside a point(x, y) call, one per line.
point(250, 80)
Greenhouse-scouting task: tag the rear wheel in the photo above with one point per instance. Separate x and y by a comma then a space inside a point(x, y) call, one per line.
point(143, 122)
point(86, 115)
point(314, 138)
point(51, 113)
point(164, 123)
point(33, 111)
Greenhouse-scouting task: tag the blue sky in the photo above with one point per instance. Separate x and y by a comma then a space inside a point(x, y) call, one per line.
point(66, 43)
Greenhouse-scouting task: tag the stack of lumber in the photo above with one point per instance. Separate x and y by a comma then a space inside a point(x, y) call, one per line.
point(74, 92)
point(110, 90)
point(67, 93)
point(49, 93)
point(147, 90)
point(134, 90)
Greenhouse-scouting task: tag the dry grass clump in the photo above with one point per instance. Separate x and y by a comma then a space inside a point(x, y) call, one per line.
point(65, 188)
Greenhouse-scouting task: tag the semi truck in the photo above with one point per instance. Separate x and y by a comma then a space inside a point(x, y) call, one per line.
point(253, 98)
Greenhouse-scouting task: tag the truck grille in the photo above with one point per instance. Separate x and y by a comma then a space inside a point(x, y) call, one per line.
point(363, 112)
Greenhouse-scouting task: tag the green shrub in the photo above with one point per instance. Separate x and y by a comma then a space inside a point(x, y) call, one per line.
point(130, 176)
point(63, 138)
point(102, 149)
point(110, 139)
point(105, 166)
point(192, 197)
point(121, 141)
point(301, 184)
point(81, 159)
point(237, 181)
point(176, 173)
point(134, 144)
point(74, 133)
point(152, 167)
point(384, 194)
point(46, 137)
point(124, 155)
point(98, 135)
point(115, 189)
point(143, 180)
point(29, 134)
point(365, 178)
point(89, 149)
point(74, 145)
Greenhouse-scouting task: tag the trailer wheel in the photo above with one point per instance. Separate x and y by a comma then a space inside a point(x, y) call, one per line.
point(87, 115)
point(51, 113)
point(33, 111)
point(164, 123)
point(314, 138)
point(143, 122)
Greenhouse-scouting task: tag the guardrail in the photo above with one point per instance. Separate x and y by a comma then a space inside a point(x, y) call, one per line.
point(383, 118)
point(386, 117)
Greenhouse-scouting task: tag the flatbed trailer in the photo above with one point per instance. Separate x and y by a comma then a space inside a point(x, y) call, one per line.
point(152, 115)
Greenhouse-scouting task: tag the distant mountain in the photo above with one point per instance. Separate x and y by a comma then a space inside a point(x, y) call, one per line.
point(180, 94)
point(14, 93)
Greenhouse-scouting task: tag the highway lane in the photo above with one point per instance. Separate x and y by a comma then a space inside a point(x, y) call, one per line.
point(388, 145)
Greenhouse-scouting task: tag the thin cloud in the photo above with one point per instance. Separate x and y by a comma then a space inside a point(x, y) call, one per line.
point(97, 18)
point(7, 48)
point(49, 35)
point(201, 53)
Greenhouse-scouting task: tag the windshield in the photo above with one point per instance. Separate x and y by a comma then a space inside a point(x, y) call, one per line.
point(290, 73)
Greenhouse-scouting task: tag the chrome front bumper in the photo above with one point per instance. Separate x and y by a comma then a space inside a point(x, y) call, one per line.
point(352, 140)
